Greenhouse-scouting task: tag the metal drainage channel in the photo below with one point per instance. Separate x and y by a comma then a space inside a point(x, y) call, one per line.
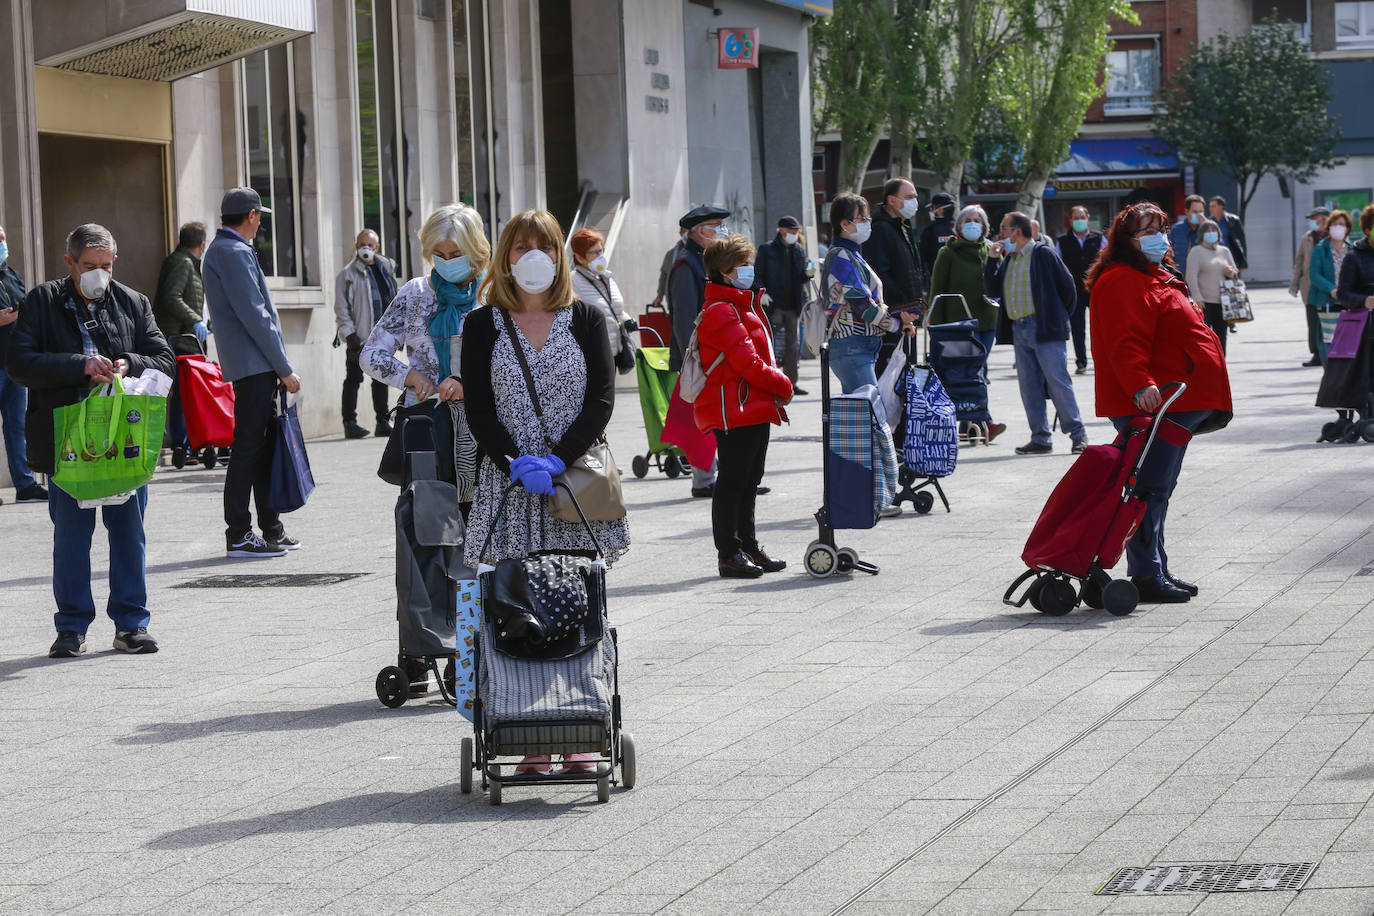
point(1053, 755)
point(1209, 878)
point(285, 580)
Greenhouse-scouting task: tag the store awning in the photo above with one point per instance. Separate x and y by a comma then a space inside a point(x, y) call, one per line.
point(1108, 155)
point(164, 40)
point(814, 7)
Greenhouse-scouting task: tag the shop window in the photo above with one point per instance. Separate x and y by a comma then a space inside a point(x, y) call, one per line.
point(1132, 79)
point(381, 140)
point(274, 140)
point(1355, 24)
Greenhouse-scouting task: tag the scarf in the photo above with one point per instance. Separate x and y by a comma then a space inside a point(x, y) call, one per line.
point(455, 302)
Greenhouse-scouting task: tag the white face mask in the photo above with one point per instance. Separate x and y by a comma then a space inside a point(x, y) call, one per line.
point(367, 253)
point(789, 238)
point(598, 264)
point(94, 283)
point(909, 208)
point(861, 232)
point(1338, 232)
point(534, 272)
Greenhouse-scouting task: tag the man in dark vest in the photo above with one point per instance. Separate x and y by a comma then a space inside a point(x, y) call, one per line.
point(780, 271)
point(1078, 249)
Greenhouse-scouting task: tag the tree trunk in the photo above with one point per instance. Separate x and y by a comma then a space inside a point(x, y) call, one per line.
point(1032, 191)
point(854, 163)
point(951, 178)
point(899, 161)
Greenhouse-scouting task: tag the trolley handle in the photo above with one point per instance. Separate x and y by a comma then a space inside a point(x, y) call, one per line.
point(925, 322)
point(1180, 387)
point(645, 329)
point(199, 344)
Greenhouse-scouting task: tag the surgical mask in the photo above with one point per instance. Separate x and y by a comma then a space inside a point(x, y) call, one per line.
point(454, 270)
point(744, 276)
point(4, 252)
point(722, 231)
point(534, 272)
point(971, 231)
point(1338, 232)
point(789, 238)
point(94, 283)
point(1154, 246)
point(1211, 238)
point(367, 253)
point(861, 232)
point(1312, 225)
point(1080, 225)
point(598, 264)
point(1009, 245)
point(1194, 218)
point(909, 208)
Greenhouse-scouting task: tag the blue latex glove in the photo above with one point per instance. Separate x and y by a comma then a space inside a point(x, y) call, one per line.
point(536, 473)
point(202, 332)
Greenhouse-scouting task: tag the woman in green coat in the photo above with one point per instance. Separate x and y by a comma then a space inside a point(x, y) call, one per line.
point(959, 268)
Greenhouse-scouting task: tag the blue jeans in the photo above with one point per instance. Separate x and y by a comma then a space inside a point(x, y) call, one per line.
point(853, 360)
point(14, 400)
point(1041, 365)
point(1145, 555)
point(987, 339)
point(73, 528)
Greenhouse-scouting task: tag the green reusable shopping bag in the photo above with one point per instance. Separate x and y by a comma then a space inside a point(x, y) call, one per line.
point(109, 442)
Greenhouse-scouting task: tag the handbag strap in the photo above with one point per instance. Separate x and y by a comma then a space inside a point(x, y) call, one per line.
point(529, 376)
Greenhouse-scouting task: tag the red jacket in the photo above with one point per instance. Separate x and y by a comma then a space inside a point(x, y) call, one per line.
point(742, 390)
point(1147, 331)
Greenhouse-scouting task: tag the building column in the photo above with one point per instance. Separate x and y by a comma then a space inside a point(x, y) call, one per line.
point(21, 211)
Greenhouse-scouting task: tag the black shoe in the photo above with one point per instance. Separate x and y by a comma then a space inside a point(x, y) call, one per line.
point(282, 541)
point(135, 642)
point(704, 492)
point(1157, 590)
point(69, 644)
point(354, 431)
point(1031, 448)
point(1079, 446)
point(1188, 587)
point(383, 429)
point(762, 491)
point(799, 392)
point(763, 561)
point(178, 457)
point(34, 493)
point(417, 672)
point(1081, 370)
point(253, 547)
point(739, 567)
point(1312, 363)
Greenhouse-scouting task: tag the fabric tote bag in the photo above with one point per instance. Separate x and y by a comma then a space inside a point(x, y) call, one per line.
point(108, 443)
point(292, 482)
point(1345, 343)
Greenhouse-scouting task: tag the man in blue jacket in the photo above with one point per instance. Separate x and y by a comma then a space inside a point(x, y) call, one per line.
point(1037, 294)
point(252, 355)
point(1183, 235)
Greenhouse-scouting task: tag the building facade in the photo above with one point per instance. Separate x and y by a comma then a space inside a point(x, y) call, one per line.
point(347, 114)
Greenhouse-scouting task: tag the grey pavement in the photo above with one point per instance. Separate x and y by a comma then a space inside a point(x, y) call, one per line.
point(903, 743)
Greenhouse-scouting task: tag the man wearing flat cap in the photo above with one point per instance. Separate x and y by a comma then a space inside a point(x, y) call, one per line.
point(780, 269)
point(1302, 262)
point(252, 355)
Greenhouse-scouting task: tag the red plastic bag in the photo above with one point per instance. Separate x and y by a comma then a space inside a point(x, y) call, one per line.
point(207, 401)
point(680, 429)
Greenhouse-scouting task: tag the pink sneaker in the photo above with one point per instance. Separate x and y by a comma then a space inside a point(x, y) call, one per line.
point(538, 765)
point(579, 763)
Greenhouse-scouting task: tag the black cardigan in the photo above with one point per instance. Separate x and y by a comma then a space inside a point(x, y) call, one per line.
point(479, 341)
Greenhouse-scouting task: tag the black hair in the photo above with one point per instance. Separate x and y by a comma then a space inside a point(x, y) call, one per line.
point(192, 235)
point(234, 219)
point(1021, 222)
point(893, 186)
point(1218, 199)
point(845, 206)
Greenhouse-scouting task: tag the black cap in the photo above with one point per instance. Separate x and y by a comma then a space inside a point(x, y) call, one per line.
point(1318, 211)
point(701, 214)
point(941, 199)
point(789, 222)
point(241, 200)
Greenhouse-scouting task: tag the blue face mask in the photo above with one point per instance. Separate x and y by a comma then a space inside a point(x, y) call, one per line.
point(1194, 218)
point(1009, 245)
point(1154, 246)
point(721, 231)
point(744, 276)
point(454, 270)
point(971, 231)
point(4, 252)
point(1311, 225)
point(1211, 238)
point(1080, 225)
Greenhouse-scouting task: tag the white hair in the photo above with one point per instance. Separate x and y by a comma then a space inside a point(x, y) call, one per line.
point(973, 212)
point(90, 235)
point(462, 225)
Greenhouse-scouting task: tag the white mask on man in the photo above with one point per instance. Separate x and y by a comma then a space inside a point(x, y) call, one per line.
point(909, 207)
point(94, 283)
point(789, 238)
point(367, 253)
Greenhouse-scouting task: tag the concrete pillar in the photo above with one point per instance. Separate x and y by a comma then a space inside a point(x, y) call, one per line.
point(21, 211)
point(785, 184)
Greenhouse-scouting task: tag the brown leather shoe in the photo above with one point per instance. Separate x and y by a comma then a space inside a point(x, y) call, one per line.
point(739, 567)
point(762, 560)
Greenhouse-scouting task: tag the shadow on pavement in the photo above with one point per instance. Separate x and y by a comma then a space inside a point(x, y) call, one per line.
point(1364, 771)
point(8, 669)
point(658, 588)
point(1013, 622)
point(279, 720)
point(181, 566)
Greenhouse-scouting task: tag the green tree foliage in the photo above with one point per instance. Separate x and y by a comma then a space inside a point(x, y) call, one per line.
point(1250, 106)
point(849, 66)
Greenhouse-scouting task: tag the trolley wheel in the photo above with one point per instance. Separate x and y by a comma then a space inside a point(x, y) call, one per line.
point(640, 465)
point(1351, 435)
point(1330, 432)
point(207, 457)
point(1033, 592)
point(906, 476)
point(603, 789)
point(393, 687)
point(849, 558)
point(1092, 595)
point(1057, 597)
point(923, 502)
point(673, 466)
point(465, 766)
point(494, 792)
point(178, 457)
point(1367, 430)
point(1120, 597)
point(627, 760)
point(821, 560)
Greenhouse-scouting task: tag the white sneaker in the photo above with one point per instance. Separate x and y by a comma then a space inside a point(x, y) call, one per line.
point(253, 547)
point(889, 511)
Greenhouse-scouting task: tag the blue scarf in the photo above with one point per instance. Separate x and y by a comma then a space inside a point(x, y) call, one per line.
point(455, 302)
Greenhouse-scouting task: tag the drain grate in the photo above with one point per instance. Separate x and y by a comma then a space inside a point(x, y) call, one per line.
point(285, 580)
point(1209, 878)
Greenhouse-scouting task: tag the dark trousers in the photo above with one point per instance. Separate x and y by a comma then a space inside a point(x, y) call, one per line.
point(740, 455)
point(786, 341)
point(1145, 555)
point(1211, 313)
point(1078, 326)
point(1314, 329)
point(176, 420)
point(353, 377)
point(250, 473)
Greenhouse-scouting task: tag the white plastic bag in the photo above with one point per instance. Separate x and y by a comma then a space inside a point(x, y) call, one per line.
point(892, 386)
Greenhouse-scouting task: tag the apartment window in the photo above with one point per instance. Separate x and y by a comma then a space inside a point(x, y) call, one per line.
point(274, 141)
point(1132, 76)
point(381, 138)
point(1355, 24)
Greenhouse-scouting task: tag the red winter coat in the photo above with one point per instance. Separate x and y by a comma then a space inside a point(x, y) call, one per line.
point(1147, 331)
point(742, 390)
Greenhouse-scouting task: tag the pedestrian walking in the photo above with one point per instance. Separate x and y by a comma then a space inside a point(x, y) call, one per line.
point(1037, 293)
point(179, 307)
point(594, 284)
point(1146, 333)
point(1232, 231)
point(427, 319)
point(1078, 249)
point(252, 356)
point(892, 251)
point(937, 232)
point(1325, 270)
point(14, 397)
point(1209, 264)
point(1184, 235)
point(780, 272)
point(363, 291)
point(1300, 285)
point(743, 397)
point(73, 334)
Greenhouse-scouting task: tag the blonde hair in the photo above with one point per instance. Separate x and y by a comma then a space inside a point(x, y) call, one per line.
point(539, 227)
point(462, 225)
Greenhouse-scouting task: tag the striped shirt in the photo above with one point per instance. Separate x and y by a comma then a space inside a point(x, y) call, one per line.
point(1016, 284)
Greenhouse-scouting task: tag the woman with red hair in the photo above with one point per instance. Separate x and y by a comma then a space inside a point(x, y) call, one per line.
point(1147, 333)
point(593, 283)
